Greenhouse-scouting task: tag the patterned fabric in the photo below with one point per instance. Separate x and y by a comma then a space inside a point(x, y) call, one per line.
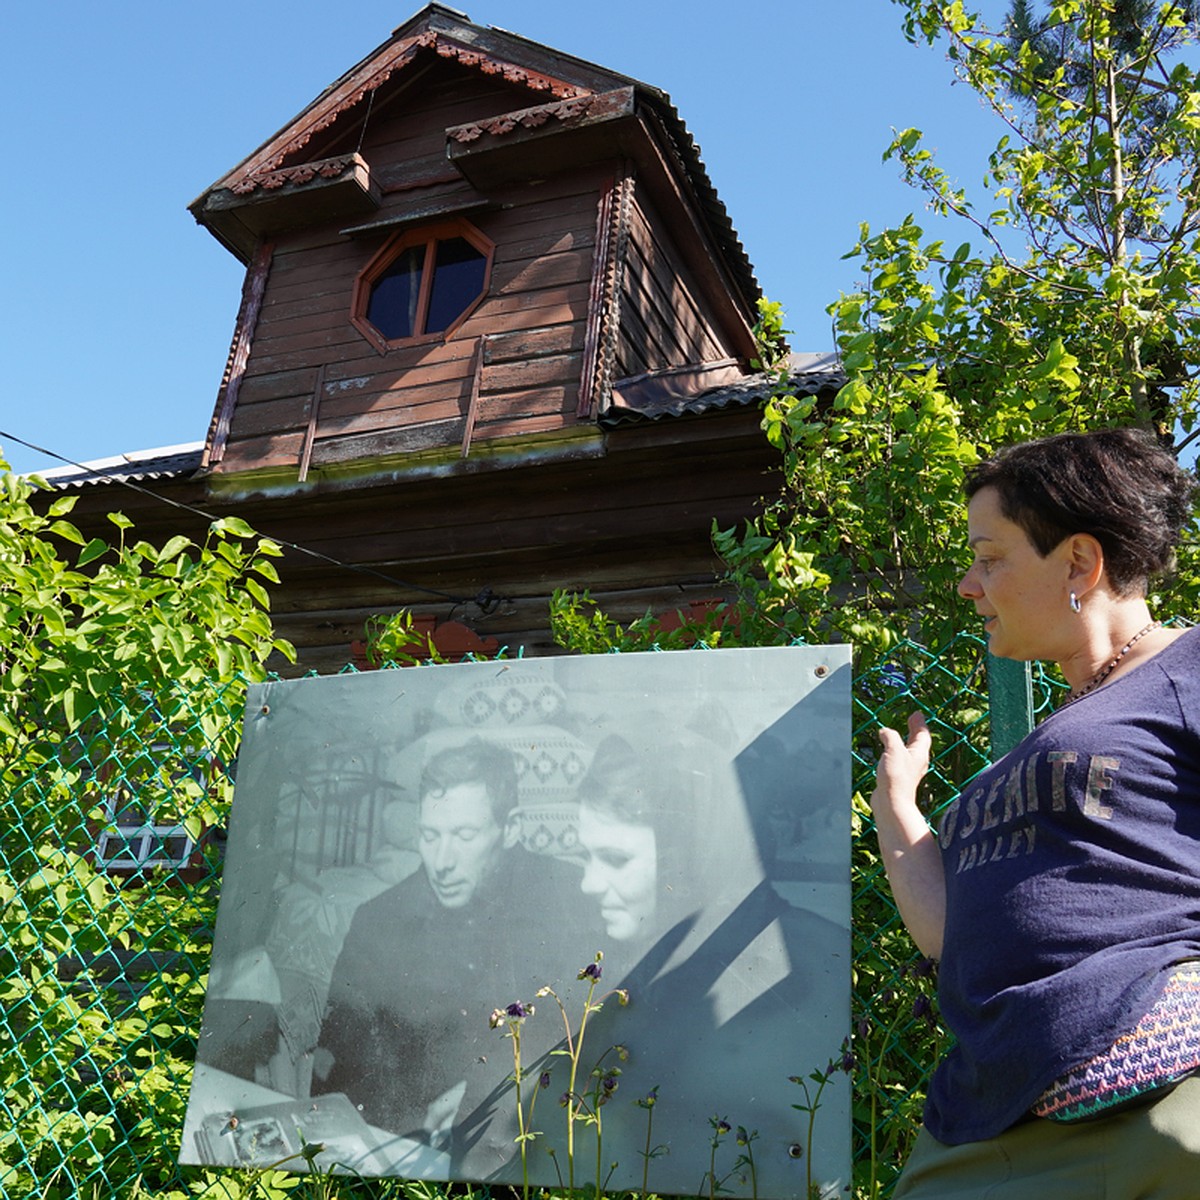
point(1161, 1049)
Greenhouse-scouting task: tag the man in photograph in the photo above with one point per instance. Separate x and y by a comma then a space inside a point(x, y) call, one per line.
point(405, 1034)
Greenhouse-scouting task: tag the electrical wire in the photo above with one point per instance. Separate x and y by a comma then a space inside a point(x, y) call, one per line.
point(486, 600)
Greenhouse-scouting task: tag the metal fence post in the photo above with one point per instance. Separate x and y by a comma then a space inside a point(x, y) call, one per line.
point(1010, 702)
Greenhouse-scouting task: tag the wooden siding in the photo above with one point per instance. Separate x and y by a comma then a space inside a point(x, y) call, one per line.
point(530, 324)
point(665, 321)
point(631, 525)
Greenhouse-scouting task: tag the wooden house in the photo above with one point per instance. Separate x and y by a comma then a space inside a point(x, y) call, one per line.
point(494, 339)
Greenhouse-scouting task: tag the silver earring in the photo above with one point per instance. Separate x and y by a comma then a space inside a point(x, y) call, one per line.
point(1074, 603)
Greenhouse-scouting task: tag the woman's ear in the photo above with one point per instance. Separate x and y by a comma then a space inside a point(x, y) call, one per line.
point(1085, 562)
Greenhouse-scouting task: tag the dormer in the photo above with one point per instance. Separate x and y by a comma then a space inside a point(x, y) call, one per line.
point(469, 247)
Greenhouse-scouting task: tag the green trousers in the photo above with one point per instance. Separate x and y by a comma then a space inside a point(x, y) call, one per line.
point(1148, 1152)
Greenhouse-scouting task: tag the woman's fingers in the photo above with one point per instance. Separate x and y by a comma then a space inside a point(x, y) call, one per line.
point(909, 757)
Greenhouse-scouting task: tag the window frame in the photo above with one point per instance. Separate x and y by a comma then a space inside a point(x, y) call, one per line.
point(130, 845)
point(127, 834)
point(377, 267)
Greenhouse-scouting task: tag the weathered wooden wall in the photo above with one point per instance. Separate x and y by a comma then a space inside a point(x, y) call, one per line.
point(630, 525)
point(664, 318)
point(305, 349)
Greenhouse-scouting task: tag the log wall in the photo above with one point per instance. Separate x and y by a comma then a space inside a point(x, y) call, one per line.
point(631, 525)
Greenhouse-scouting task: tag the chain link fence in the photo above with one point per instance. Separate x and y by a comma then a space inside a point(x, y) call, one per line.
point(110, 862)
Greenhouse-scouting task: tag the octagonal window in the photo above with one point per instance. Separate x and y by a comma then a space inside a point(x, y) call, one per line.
point(422, 284)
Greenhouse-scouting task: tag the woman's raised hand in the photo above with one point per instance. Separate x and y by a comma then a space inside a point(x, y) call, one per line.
point(910, 851)
point(903, 764)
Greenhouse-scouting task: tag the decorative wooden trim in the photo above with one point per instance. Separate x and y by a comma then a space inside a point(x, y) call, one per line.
point(310, 433)
point(473, 403)
point(603, 320)
point(532, 118)
point(372, 75)
point(595, 308)
point(325, 168)
point(253, 289)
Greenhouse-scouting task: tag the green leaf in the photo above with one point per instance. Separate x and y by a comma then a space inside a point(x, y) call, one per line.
point(92, 551)
point(64, 529)
point(259, 592)
point(234, 525)
point(62, 506)
point(173, 548)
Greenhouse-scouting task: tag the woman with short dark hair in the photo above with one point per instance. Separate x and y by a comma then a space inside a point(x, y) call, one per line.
point(1061, 892)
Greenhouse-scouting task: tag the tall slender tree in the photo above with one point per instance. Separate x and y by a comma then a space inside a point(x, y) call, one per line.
point(1071, 302)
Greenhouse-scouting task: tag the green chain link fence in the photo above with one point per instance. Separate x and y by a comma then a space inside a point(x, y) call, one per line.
point(102, 969)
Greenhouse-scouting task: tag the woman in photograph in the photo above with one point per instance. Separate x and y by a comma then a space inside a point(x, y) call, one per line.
point(1061, 892)
point(637, 826)
point(731, 988)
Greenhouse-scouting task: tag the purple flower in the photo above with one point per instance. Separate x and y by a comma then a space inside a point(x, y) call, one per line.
point(847, 1061)
point(649, 1100)
point(924, 966)
point(544, 1080)
point(921, 1006)
point(519, 1011)
point(721, 1126)
point(591, 971)
point(864, 1027)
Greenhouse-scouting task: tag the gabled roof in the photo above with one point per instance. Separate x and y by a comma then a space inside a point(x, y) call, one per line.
point(560, 84)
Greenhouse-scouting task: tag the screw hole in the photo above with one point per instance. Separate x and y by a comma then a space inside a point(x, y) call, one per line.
point(795, 1150)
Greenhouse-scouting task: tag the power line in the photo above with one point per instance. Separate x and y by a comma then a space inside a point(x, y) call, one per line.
point(486, 600)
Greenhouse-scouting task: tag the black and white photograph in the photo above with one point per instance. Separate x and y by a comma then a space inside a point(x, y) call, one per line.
point(430, 869)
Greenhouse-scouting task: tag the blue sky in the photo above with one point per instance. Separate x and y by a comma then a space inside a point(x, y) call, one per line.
point(118, 309)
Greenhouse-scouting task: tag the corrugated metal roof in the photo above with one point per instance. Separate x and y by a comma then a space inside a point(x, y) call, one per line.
point(165, 462)
point(652, 398)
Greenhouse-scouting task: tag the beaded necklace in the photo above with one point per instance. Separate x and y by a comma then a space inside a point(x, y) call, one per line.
point(1109, 667)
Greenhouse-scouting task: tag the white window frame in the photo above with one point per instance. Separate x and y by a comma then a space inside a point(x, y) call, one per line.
point(134, 846)
point(114, 845)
